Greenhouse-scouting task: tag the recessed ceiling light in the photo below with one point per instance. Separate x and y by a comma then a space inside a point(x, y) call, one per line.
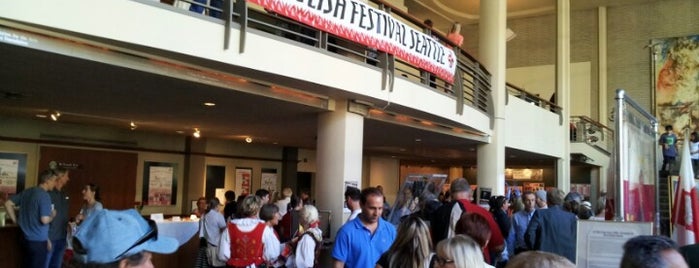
point(196, 133)
point(209, 104)
point(248, 139)
point(132, 125)
point(55, 115)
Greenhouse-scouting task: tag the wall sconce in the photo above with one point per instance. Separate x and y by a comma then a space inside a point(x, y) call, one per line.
point(196, 133)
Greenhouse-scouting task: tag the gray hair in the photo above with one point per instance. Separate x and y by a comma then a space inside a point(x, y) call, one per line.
point(309, 214)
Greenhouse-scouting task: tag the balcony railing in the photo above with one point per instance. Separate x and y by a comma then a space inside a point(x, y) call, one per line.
point(584, 129)
point(535, 99)
point(471, 82)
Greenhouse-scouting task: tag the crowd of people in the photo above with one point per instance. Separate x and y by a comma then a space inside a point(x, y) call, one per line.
point(95, 237)
point(529, 229)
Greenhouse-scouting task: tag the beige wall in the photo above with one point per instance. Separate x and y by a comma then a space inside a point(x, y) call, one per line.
point(541, 80)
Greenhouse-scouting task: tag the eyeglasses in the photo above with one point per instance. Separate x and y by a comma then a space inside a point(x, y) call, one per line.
point(442, 261)
point(151, 234)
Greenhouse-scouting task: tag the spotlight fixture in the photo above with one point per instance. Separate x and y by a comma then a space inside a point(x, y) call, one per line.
point(55, 115)
point(248, 140)
point(196, 133)
point(132, 125)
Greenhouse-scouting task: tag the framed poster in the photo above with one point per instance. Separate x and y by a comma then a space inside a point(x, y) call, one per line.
point(159, 183)
point(243, 180)
point(524, 174)
point(269, 179)
point(13, 171)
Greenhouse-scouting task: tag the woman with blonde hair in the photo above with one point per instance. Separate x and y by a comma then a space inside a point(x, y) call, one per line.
point(412, 247)
point(247, 241)
point(455, 34)
point(459, 251)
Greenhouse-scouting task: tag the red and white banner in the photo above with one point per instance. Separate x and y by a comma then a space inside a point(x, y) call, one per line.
point(371, 27)
point(685, 219)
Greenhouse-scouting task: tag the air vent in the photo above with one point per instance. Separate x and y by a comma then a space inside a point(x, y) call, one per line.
point(12, 95)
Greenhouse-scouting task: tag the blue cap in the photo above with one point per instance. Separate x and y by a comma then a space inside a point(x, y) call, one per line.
point(106, 235)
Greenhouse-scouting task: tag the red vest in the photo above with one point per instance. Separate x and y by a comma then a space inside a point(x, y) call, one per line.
point(246, 247)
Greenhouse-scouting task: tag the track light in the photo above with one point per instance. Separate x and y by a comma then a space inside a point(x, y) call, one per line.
point(55, 115)
point(196, 133)
point(132, 125)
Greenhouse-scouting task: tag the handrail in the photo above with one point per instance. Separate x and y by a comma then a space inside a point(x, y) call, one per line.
point(443, 38)
point(533, 98)
point(584, 129)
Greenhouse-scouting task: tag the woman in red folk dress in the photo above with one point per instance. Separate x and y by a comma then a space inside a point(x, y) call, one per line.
point(246, 242)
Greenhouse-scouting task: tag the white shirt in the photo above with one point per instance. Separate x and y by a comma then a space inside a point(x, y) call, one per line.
point(694, 150)
point(354, 214)
point(305, 254)
point(271, 247)
point(282, 204)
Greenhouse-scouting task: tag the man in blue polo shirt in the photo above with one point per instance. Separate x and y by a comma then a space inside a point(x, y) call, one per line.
point(35, 214)
point(360, 242)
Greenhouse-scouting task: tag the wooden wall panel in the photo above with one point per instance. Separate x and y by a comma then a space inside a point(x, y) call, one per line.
point(113, 172)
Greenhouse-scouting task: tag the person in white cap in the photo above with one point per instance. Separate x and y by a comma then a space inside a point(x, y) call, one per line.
point(541, 199)
point(120, 238)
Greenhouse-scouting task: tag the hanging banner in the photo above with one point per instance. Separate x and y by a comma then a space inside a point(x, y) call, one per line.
point(371, 27)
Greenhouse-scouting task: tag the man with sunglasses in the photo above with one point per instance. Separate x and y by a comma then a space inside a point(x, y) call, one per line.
point(120, 238)
point(35, 214)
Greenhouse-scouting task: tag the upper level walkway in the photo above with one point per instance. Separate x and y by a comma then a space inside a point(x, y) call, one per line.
point(103, 55)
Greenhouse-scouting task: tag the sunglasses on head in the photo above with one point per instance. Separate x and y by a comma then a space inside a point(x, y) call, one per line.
point(151, 234)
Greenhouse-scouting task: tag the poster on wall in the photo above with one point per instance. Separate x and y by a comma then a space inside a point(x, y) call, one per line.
point(13, 169)
point(676, 77)
point(533, 186)
point(243, 180)
point(524, 174)
point(159, 183)
point(269, 179)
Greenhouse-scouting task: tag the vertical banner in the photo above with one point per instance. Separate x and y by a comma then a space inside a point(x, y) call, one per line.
point(361, 23)
point(159, 183)
point(269, 179)
point(639, 186)
point(13, 169)
point(243, 180)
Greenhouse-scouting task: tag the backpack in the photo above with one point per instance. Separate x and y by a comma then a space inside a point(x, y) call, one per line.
point(290, 248)
point(441, 221)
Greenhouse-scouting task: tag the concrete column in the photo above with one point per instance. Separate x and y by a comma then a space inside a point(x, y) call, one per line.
point(339, 159)
point(603, 115)
point(290, 156)
point(194, 171)
point(385, 172)
point(492, 53)
point(563, 89)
